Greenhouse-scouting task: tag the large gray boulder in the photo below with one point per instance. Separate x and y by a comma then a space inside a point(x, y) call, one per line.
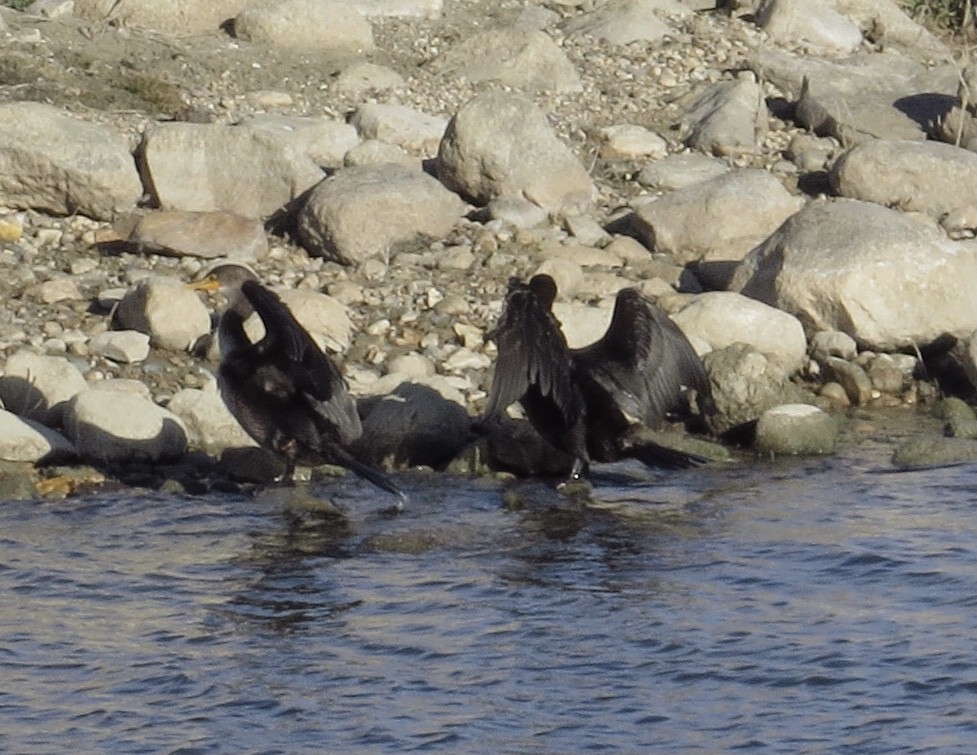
point(365, 210)
point(211, 168)
point(887, 280)
point(305, 26)
point(499, 144)
point(912, 176)
point(722, 218)
point(53, 162)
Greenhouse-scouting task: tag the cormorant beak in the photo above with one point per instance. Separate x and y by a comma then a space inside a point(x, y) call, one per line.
point(209, 284)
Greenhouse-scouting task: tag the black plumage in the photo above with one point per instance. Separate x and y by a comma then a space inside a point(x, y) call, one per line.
point(283, 389)
point(586, 401)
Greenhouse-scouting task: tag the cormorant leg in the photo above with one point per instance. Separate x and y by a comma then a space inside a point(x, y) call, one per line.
point(579, 470)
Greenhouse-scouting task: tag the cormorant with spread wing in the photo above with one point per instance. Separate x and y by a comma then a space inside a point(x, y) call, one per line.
point(585, 401)
point(283, 389)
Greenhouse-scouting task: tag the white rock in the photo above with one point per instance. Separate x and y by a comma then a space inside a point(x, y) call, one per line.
point(308, 26)
point(125, 346)
point(719, 219)
point(170, 313)
point(363, 211)
point(583, 324)
point(721, 318)
point(37, 386)
point(210, 426)
point(887, 280)
point(500, 144)
point(375, 152)
point(23, 439)
point(118, 427)
point(323, 316)
point(54, 162)
point(400, 125)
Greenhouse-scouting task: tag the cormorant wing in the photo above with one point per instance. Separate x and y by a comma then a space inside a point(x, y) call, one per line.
point(644, 361)
point(297, 355)
point(532, 353)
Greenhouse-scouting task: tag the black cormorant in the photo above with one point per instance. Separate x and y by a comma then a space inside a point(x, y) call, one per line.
point(284, 391)
point(585, 401)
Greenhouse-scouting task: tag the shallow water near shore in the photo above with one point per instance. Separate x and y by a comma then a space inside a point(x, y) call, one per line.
point(800, 606)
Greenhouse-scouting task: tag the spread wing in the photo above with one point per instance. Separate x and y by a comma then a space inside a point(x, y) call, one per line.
point(296, 364)
point(644, 361)
point(533, 353)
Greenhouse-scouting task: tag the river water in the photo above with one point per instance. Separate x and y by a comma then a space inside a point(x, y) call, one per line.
point(806, 606)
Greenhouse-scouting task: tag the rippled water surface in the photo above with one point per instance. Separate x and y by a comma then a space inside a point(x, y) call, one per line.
point(803, 607)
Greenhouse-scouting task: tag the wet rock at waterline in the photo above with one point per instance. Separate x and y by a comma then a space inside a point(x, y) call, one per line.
point(792, 429)
point(119, 427)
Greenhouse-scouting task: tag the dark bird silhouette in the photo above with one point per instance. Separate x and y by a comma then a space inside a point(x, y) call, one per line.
point(283, 389)
point(587, 401)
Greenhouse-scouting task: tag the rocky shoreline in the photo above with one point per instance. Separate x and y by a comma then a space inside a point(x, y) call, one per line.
point(799, 197)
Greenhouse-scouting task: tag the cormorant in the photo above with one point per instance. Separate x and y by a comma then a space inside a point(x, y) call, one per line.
point(284, 391)
point(585, 401)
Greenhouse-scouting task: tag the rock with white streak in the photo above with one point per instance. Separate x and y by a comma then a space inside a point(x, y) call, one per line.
point(57, 163)
point(22, 439)
point(305, 26)
point(884, 278)
point(719, 219)
point(901, 174)
point(37, 386)
point(366, 210)
point(499, 144)
point(171, 314)
point(721, 318)
point(119, 427)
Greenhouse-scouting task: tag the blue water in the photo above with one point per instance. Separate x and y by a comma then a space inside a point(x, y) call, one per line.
point(807, 606)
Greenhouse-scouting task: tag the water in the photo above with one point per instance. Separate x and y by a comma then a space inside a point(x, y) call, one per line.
point(811, 606)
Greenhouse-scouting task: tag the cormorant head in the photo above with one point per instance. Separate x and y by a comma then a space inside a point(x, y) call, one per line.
point(543, 287)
